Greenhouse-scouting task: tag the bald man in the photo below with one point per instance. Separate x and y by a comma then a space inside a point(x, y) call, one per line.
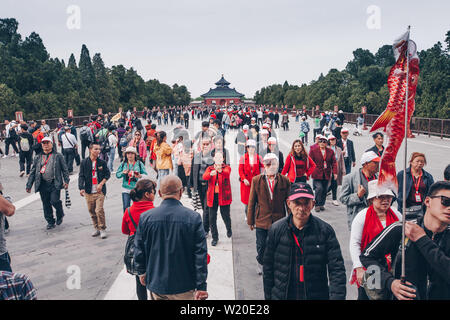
point(171, 237)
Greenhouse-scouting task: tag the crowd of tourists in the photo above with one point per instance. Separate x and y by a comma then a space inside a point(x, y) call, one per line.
point(298, 255)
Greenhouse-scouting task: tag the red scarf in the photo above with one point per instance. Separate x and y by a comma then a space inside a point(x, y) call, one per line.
point(372, 228)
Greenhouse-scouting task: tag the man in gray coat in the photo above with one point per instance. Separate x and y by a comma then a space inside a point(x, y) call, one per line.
point(49, 175)
point(355, 185)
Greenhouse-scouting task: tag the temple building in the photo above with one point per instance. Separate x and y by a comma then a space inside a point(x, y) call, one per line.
point(222, 95)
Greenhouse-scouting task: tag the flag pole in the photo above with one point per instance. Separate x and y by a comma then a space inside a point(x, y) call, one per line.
point(403, 275)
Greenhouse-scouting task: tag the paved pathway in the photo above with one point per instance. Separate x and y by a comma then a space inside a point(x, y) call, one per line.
point(53, 259)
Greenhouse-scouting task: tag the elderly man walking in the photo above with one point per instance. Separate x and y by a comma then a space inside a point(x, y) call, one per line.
point(170, 248)
point(266, 203)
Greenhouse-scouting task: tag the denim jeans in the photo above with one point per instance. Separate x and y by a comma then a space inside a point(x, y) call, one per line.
point(126, 200)
point(5, 262)
point(321, 189)
point(69, 157)
point(161, 174)
point(112, 153)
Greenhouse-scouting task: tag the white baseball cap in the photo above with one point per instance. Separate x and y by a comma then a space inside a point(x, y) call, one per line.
point(270, 156)
point(47, 139)
point(272, 140)
point(369, 156)
point(375, 190)
point(344, 130)
point(251, 143)
point(245, 127)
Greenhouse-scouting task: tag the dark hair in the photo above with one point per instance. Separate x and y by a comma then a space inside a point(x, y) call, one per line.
point(85, 122)
point(438, 186)
point(303, 153)
point(93, 144)
point(218, 122)
point(142, 186)
point(160, 137)
point(128, 128)
point(447, 173)
point(153, 126)
point(205, 124)
point(377, 134)
point(24, 127)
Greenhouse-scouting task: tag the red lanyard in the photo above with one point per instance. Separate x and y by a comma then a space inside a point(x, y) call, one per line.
point(417, 185)
point(301, 271)
point(48, 158)
point(94, 168)
point(368, 179)
point(271, 184)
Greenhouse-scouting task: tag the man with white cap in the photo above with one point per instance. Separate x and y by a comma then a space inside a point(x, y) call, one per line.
point(355, 185)
point(303, 258)
point(266, 204)
point(241, 139)
point(273, 148)
point(263, 143)
point(348, 150)
point(367, 224)
point(49, 175)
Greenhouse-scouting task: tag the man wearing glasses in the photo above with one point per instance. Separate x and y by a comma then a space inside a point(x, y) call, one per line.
point(427, 251)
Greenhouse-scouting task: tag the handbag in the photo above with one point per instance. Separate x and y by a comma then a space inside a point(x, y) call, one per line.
point(128, 257)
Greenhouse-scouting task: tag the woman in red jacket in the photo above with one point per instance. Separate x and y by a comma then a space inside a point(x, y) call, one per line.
point(326, 169)
point(250, 165)
point(142, 195)
point(298, 165)
point(218, 195)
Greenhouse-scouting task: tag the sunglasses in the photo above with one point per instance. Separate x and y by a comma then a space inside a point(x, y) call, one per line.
point(445, 201)
point(322, 141)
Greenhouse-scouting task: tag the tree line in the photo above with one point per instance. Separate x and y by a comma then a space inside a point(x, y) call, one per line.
point(364, 83)
point(44, 87)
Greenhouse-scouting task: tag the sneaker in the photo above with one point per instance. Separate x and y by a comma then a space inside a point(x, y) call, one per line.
point(229, 234)
point(5, 156)
point(22, 173)
point(96, 233)
point(103, 234)
point(259, 269)
point(214, 243)
point(50, 226)
point(317, 209)
point(6, 231)
point(322, 208)
point(16, 154)
point(335, 202)
point(59, 221)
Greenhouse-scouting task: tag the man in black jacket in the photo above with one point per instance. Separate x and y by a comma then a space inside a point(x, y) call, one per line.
point(427, 252)
point(303, 259)
point(92, 178)
point(49, 175)
point(348, 150)
point(170, 248)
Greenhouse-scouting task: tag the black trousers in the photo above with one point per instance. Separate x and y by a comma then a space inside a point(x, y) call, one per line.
point(186, 124)
point(333, 188)
point(202, 189)
point(224, 212)
point(69, 157)
point(141, 290)
point(84, 144)
point(8, 142)
point(261, 237)
point(362, 295)
point(25, 157)
point(50, 198)
point(316, 131)
point(320, 189)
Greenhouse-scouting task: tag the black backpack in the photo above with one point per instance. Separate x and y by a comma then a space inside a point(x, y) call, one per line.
point(105, 146)
point(128, 258)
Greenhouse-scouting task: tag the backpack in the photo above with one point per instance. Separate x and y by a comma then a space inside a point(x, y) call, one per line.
point(105, 146)
point(84, 134)
point(24, 144)
point(123, 141)
point(128, 257)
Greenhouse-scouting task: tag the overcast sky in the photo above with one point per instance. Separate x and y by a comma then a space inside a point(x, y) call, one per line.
point(254, 43)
